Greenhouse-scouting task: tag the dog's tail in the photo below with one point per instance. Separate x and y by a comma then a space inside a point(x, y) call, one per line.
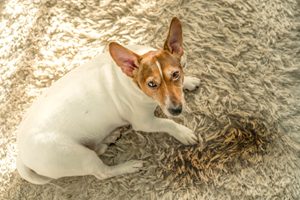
point(29, 175)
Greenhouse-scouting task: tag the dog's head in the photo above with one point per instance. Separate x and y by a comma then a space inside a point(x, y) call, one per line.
point(158, 73)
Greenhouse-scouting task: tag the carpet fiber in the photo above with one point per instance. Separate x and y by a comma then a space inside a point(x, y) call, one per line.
point(246, 111)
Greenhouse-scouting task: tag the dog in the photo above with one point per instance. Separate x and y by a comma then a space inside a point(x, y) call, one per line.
point(66, 128)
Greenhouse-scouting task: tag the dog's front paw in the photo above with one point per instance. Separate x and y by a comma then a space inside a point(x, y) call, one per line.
point(191, 83)
point(186, 136)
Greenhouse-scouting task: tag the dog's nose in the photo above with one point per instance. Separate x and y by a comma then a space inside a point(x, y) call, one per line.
point(175, 110)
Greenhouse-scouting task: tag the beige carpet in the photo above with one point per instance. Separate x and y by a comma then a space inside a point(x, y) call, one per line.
point(247, 109)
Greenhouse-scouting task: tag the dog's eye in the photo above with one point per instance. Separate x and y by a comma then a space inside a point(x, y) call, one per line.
point(175, 75)
point(151, 84)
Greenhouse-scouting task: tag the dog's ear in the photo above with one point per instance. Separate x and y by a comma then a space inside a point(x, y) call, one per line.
point(124, 58)
point(173, 43)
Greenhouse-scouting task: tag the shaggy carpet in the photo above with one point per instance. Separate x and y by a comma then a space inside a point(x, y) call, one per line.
point(246, 111)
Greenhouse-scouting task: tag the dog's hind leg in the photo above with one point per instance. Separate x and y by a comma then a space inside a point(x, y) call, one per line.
point(29, 175)
point(116, 170)
point(95, 166)
point(72, 159)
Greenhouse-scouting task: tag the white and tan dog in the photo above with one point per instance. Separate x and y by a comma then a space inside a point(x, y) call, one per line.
point(64, 131)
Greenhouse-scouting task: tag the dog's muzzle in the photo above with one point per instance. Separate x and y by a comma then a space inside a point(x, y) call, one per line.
point(175, 110)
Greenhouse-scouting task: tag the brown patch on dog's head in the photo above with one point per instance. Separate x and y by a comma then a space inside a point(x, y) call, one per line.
point(158, 73)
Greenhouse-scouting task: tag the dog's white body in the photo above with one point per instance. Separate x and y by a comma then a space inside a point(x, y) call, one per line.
point(83, 108)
